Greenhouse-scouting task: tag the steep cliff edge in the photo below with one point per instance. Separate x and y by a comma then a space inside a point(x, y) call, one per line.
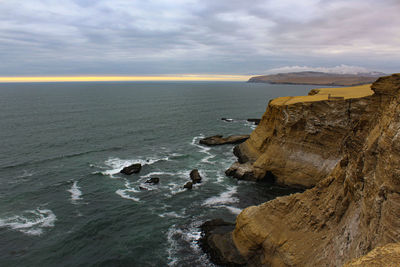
point(354, 209)
point(298, 139)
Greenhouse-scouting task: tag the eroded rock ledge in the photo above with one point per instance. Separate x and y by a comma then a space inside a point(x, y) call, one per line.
point(355, 206)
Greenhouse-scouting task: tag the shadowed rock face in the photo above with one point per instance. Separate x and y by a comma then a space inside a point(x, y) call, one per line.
point(299, 144)
point(354, 209)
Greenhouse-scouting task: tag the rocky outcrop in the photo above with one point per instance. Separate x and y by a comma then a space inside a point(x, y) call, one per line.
point(220, 140)
point(353, 210)
point(134, 168)
point(153, 180)
point(218, 233)
point(388, 255)
point(255, 121)
point(298, 139)
point(195, 176)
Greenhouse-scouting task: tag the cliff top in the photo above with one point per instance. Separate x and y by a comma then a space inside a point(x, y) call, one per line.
point(326, 93)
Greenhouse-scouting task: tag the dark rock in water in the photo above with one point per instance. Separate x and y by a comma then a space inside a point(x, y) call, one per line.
point(195, 176)
point(154, 180)
point(220, 140)
point(256, 121)
point(134, 168)
point(216, 240)
point(188, 185)
point(227, 120)
point(143, 188)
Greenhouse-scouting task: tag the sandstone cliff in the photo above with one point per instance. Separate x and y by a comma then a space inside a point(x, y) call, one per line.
point(298, 139)
point(354, 209)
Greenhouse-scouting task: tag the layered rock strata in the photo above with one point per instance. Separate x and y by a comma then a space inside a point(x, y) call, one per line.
point(298, 139)
point(353, 210)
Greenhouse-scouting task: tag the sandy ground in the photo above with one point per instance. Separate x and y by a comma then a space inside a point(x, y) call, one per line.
point(323, 94)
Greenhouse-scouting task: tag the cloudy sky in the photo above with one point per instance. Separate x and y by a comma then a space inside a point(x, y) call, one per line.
point(152, 37)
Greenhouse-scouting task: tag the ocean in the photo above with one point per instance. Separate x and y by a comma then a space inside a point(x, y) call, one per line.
point(63, 201)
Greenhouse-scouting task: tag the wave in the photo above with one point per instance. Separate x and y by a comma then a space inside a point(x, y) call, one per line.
point(179, 238)
point(117, 164)
point(126, 193)
point(171, 214)
point(76, 193)
point(224, 198)
point(31, 222)
point(203, 149)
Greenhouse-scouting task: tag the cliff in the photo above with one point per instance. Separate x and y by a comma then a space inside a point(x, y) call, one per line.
point(297, 142)
point(317, 78)
point(352, 210)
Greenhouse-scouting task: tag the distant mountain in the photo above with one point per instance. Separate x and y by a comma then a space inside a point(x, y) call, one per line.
point(318, 78)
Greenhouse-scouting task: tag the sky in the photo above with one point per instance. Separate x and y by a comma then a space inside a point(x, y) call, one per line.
point(177, 37)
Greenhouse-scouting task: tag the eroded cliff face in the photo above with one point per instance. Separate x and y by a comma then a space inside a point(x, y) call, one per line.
point(298, 139)
point(354, 209)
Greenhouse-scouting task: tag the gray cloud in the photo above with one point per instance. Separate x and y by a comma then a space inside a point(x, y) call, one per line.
point(195, 36)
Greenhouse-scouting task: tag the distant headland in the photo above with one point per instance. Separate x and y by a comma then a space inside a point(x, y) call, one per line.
point(318, 78)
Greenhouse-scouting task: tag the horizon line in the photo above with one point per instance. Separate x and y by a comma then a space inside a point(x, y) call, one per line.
point(118, 78)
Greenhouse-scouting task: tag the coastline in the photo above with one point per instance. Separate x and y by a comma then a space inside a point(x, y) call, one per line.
point(334, 209)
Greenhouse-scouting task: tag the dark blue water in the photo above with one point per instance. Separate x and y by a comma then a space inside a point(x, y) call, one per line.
point(62, 200)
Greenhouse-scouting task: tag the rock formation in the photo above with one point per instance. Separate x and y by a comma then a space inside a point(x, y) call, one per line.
point(153, 180)
point(220, 140)
point(134, 168)
point(298, 139)
point(353, 209)
point(195, 176)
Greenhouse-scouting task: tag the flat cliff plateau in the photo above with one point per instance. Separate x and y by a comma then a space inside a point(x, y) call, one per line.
point(317, 78)
point(352, 210)
point(297, 142)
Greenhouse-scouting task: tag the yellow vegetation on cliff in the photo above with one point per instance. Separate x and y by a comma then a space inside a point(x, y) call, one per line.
point(323, 94)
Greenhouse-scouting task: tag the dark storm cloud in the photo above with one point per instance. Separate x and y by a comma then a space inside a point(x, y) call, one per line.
point(191, 36)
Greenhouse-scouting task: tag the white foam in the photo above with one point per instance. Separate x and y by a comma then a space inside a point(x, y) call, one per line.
point(149, 175)
point(124, 193)
point(179, 238)
point(76, 193)
point(203, 149)
point(233, 210)
point(224, 198)
point(31, 222)
point(171, 214)
point(118, 164)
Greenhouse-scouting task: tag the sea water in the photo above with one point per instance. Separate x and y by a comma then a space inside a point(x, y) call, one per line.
point(63, 201)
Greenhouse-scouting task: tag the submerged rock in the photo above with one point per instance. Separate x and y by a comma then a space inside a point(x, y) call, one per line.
point(134, 168)
point(220, 140)
point(154, 180)
point(188, 185)
point(227, 120)
point(195, 176)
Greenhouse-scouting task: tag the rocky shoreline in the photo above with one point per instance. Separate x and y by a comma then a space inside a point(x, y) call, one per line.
point(347, 152)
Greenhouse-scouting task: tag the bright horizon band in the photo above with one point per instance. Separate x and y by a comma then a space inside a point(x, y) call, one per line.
point(125, 78)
